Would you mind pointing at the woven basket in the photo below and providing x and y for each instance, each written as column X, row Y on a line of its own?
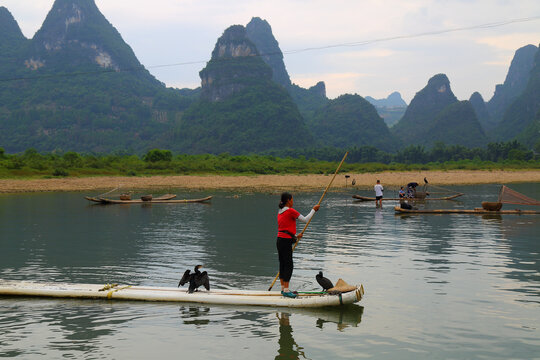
column 146, row 198
column 125, row 197
column 342, row 286
column 491, row 206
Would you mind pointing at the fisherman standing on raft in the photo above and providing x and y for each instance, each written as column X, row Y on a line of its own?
column 378, row 193
column 287, row 237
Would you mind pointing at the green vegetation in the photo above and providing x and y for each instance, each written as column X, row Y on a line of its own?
column 424, row 107
column 350, row 120
column 76, row 85
column 32, row 164
column 67, row 100
column 521, row 118
column 456, row 124
column 256, row 118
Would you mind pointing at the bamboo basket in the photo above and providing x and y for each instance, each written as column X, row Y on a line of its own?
column 491, row 205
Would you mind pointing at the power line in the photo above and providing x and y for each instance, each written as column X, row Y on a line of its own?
column 411, row 36
column 288, row 52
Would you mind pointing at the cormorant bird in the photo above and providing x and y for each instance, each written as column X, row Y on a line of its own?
column 195, row 280
column 425, row 180
column 324, row 282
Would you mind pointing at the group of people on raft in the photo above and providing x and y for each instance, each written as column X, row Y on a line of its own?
column 403, row 194
column 411, row 191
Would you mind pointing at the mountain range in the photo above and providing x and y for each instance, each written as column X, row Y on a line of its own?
column 76, row 85
column 390, row 109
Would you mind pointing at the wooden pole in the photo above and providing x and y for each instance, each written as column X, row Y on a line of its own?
column 319, row 203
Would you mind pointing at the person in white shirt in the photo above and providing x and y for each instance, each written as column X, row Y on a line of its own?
column 378, row 193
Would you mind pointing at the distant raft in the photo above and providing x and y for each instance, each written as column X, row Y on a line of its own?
column 173, row 294
column 506, row 196
column 164, row 199
column 475, row 211
column 368, row 198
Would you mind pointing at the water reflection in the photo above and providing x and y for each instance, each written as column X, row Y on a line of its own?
column 519, row 243
column 195, row 315
column 343, row 317
column 288, row 348
column 433, row 277
column 378, row 217
column 67, row 327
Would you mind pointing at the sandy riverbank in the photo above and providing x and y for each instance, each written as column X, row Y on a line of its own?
column 268, row 182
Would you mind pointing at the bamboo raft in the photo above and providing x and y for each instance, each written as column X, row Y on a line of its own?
column 168, row 198
column 368, row 198
column 173, row 294
column 475, row 211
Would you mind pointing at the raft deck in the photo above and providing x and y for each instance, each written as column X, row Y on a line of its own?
column 367, row 198
column 476, row 211
column 172, row 294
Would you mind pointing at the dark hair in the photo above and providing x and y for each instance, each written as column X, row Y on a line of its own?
column 284, row 198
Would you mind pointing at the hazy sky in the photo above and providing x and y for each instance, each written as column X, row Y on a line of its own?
column 165, row 32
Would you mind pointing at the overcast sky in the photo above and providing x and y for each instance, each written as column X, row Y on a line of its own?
column 165, row 32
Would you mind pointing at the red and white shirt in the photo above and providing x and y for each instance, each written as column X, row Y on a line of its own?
column 287, row 221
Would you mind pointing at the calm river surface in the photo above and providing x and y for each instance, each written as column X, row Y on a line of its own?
column 437, row 286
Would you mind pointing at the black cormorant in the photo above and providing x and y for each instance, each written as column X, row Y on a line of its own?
column 324, row 282
column 195, row 280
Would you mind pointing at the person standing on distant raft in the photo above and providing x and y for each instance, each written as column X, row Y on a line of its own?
column 378, row 193
column 286, row 237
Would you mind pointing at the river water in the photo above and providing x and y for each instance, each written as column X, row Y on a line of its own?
column 436, row 286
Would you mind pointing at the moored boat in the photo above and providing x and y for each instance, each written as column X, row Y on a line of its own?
column 168, row 198
column 173, row 294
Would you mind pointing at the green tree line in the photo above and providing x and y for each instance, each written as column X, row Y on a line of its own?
column 31, row 163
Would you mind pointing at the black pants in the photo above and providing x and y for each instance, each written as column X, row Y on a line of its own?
column 284, row 247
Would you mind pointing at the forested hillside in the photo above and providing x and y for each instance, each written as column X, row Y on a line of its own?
column 350, row 121
column 77, row 86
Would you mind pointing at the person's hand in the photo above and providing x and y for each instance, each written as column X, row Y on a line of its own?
column 316, row 207
column 299, row 236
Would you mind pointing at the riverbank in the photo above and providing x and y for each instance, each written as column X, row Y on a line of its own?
column 267, row 182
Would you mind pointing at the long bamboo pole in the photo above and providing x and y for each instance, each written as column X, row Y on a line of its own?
column 319, row 203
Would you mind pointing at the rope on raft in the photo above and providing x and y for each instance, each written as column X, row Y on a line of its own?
column 108, row 192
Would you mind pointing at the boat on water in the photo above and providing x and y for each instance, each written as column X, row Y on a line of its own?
column 413, row 194
column 167, row 198
column 173, row 294
column 506, row 196
column 419, row 198
column 478, row 211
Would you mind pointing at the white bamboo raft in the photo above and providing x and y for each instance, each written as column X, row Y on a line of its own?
column 172, row 294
